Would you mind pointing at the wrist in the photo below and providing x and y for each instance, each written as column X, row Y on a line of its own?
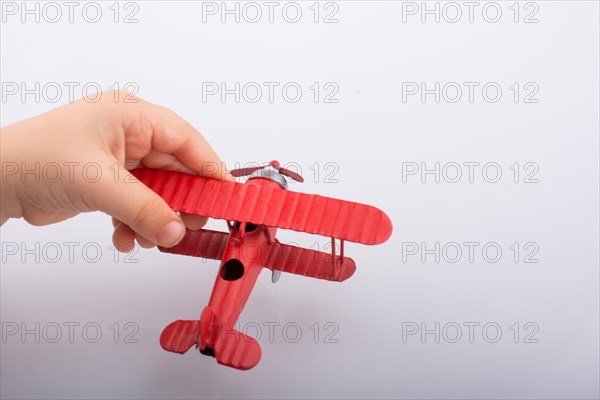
column 10, row 206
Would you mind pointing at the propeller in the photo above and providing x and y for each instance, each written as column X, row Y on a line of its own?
column 275, row 164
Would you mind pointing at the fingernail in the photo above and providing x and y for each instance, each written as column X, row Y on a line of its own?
column 171, row 234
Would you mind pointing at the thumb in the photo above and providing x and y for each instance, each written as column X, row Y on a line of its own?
column 133, row 203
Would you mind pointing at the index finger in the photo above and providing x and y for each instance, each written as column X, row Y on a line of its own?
column 162, row 130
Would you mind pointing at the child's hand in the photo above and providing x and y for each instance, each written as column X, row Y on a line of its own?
column 76, row 159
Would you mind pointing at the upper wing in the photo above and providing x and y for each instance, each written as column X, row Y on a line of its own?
column 262, row 205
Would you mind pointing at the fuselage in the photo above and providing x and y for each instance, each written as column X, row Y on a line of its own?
column 246, row 253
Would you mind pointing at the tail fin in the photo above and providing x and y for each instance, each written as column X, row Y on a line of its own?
column 180, row 336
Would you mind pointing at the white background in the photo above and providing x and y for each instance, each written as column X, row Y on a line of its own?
column 370, row 135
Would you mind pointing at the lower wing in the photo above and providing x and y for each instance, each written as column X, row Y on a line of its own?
column 283, row 257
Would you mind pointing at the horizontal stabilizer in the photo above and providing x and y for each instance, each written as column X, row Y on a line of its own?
column 237, row 350
column 230, row 347
column 180, row 336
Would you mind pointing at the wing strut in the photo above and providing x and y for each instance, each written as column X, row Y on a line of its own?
column 337, row 266
column 333, row 255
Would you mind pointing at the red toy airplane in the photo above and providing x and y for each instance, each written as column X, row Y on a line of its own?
column 253, row 212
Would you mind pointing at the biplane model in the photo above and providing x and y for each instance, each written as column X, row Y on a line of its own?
column 253, row 212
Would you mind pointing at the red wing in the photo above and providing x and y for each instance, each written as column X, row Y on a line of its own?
column 201, row 243
column 263, row 205
column 294, row 260
column 316, row 264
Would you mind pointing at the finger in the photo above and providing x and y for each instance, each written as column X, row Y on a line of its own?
column 193, row 221
column 143, row 242
column 158, row 160
column 123, row 237
column 170, row 134
column 144, row 211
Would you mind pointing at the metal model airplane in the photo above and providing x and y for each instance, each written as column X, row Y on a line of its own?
column 253, row 212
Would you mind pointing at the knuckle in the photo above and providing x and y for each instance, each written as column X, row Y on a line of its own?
column 119, row 97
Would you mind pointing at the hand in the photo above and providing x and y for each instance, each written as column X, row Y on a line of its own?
column 76, row 159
